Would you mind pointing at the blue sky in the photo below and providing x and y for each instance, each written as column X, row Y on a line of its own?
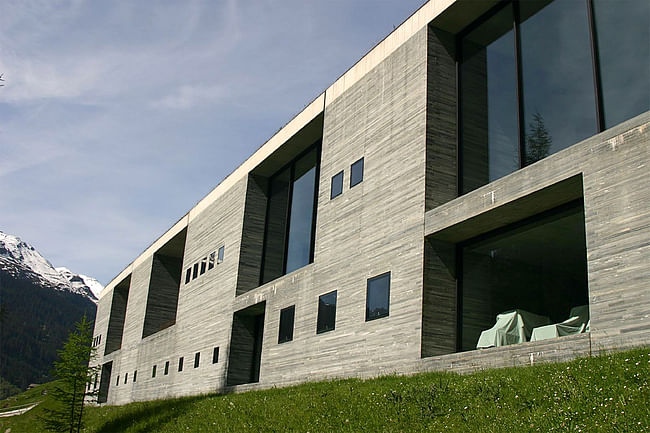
column 117, row 117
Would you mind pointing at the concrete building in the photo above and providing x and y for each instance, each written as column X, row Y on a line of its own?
column 485, row 157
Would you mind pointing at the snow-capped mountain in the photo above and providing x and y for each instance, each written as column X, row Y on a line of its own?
column 81, row 281
column 18, row 258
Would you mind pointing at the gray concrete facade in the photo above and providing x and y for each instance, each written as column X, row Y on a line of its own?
column 397, row 109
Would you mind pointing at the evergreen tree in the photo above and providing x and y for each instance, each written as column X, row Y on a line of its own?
column 75, row 377
column 538, row 140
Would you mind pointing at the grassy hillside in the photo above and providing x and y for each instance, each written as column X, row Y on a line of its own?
column 608, row 393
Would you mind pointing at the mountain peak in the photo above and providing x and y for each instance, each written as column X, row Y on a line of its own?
column 21, row 257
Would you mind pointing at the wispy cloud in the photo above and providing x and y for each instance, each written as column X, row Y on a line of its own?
column 190, row 96
column 117, row 117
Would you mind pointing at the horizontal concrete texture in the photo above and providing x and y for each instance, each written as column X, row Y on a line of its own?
column 396, row 108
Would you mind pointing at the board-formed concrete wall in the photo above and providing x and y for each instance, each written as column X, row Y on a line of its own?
column 396, row 109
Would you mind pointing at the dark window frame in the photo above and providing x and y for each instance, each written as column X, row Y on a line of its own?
column 578, row 203
column 288, row 313
column 353, row 181
column 317, row 146
column 221, row 252
column 322, row 327
column 369, row 281
column 339, row 189
column 516, row 21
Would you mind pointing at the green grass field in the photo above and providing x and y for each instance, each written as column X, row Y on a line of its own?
column 609, row 393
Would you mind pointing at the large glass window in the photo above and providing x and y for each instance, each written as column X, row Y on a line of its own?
column 301, row 216
column 537, row 267
column 290, row 217
column 623, row 36
column 489, row 101
column 538, row 76
column 557, row 76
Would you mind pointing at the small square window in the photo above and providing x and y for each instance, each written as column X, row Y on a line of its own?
column 135, row 375
column 153, row 371
column 377, row 297
column 211, row 260
column 220, row 254
column 166, row 368
column 180, row 364
column 356, row 173
column 126, row 378
column 204, row 264
column 286, row 324
column 326, row 312
column 188, row 275
column 195, row 271
column 197, row 357
column 337, row 185
column 215, row 355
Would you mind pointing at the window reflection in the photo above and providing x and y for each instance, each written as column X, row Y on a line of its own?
column 290, row 217
column 489, row 101
column 557, row 76
column 623, row 35
column 527, row 80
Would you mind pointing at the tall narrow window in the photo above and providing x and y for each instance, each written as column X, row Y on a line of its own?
column 126, row 378
column 220, row 254
column 153, row 371
column 211, row 260
column 356, row 173
column 337, row 185
column 489, row 102
column 188, row 275
column 215, row 355
column 117, row 381
column 378, row 297
column 286, row 324
column 166, row 368
column 301, row 215
column 135, row 375
column 290, row 217
column 195, row 272
column 557, row 76
column 326, row 313
column 204, row 265
column 180, row 363
column 197, row 357
column 623, row 33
